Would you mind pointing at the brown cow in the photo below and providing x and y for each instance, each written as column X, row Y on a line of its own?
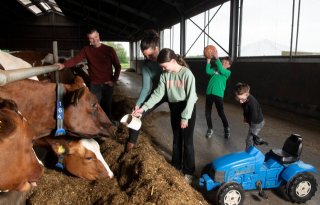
column 80, row 157
column 20, row 168
column 36, row 100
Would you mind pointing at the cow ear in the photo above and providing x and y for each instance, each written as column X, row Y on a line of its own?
column 78, row 83
column 10, row 104
column 7, row 125
column 76, row 95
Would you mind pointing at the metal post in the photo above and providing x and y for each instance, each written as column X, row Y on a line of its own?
column 292, row 26
column 298, row 25
column 55, row 51
column 240, row 28
column 233, row 35
column 182, row 36
column 55, row 58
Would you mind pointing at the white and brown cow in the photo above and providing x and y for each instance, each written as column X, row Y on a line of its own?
column 19, row 166
column 10, row 62
column 80, row 157
column 83, row 116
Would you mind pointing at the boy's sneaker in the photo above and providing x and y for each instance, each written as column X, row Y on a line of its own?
column 226, row 133
column 209, row 133
column 188, row 178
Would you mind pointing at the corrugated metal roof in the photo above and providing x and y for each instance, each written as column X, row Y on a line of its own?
column 121, row 20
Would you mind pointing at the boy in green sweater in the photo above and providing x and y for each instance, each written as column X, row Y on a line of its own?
column 215, row 91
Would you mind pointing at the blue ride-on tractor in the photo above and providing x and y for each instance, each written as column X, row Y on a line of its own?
column 231, row 174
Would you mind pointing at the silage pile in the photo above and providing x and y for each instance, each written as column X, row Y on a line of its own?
column 142, row 176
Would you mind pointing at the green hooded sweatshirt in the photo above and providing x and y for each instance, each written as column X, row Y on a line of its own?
column 219, row 76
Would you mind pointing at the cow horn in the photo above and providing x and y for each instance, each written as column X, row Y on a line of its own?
column 7, row 76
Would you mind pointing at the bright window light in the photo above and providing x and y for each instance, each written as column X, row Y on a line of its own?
column 57, row 9
column 25, row 2
column 35, row 9
column 45, row 6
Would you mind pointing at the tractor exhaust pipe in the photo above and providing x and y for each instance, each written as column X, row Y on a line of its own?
column 7, row 76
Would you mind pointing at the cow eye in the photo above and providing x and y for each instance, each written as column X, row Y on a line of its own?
column 88, row 158
column 94, row 105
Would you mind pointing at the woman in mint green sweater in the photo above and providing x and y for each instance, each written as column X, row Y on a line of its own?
column 215, row 92
column 177, row 83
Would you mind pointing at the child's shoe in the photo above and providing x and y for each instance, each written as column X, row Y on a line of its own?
column 209, row 133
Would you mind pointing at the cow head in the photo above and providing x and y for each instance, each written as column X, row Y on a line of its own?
column 83, row 114
column 81, row 158
column 19, row 167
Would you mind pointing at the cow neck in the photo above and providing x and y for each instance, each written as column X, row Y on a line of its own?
column 60, row 111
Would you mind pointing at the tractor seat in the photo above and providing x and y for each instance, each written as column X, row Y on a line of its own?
column 290, row 151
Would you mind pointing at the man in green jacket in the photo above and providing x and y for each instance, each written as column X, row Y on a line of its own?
column 215, row 91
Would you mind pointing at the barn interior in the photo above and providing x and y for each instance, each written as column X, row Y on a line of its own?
column 285, row 85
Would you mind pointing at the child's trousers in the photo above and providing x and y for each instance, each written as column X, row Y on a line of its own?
column 255, row 129
column 183, row 149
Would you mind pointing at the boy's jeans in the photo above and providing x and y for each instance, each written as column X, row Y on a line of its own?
column 255, row 129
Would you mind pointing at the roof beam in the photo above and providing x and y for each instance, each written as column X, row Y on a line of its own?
column 119, row 20
column 114, row 29
column 131, row 10
column 177, row 5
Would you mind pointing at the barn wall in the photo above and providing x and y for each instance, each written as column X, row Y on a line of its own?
column 290, row 86
column 38, row 33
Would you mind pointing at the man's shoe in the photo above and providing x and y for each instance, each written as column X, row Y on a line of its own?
column 209, row 133
column 226, row 133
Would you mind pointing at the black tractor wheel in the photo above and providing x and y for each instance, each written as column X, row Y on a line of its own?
column 302, row 188
column 230, row 194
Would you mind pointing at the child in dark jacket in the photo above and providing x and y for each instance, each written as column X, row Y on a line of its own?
column 251, row 111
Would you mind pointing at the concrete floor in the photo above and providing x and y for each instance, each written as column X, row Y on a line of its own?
column 279, row 125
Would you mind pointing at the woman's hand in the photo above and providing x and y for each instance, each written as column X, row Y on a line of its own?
column 137, row 112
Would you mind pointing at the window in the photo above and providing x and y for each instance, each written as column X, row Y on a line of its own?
column 175, row 38
column 266, row 27
column 219, row 28
column 195, row 36
column 216, row 23
column 309, row 28
column 139, row 54
column 171, row 38
column 166, row 38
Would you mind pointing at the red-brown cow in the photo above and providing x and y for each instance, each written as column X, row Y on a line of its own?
column 20, row 168
column 36, row 100
column 80, row 157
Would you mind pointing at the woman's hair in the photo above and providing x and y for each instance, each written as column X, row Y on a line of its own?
column 242, row 88
column 151, row 39
column 167, row 55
